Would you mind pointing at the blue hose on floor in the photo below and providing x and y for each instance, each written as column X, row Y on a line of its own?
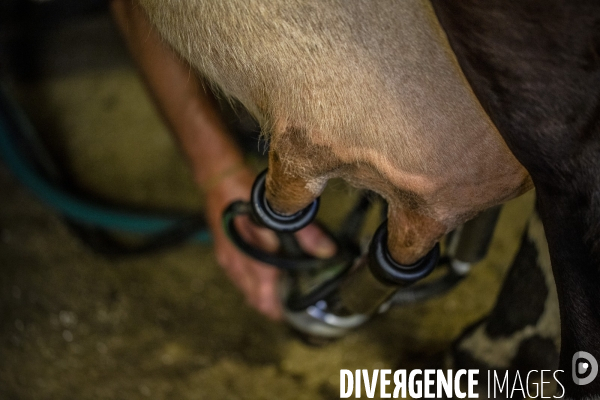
column 71, row 206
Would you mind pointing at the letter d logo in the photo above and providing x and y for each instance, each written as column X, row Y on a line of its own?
column 583, row 364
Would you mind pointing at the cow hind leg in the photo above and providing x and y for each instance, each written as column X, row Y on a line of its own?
column 522, row 332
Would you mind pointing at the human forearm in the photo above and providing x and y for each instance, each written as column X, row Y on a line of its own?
column 187, row 107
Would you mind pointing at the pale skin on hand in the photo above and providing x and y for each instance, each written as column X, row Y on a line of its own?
column 195, row 122
column 256, row 280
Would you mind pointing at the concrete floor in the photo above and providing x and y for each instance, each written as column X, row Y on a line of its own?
column 76, row 325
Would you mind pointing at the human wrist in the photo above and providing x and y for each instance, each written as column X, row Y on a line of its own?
column 215, row 180
column 233, row 184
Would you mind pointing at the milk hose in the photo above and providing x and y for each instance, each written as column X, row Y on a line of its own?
column 26, row 158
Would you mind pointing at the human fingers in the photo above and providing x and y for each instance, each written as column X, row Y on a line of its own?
column 315, row 242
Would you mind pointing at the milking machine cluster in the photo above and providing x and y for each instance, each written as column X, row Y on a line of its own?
column 322, row 297
column 329, row 297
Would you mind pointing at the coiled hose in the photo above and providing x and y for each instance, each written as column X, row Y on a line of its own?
column 93, row 221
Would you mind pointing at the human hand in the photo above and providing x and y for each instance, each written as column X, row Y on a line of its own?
column 256, row 280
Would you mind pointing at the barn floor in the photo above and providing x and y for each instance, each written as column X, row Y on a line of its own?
column 77, row 325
